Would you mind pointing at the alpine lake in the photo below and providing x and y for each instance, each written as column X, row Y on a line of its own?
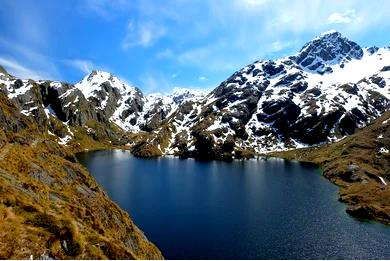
column 248, row 209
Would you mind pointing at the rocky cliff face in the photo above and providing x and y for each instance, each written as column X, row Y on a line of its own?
column 323, row 93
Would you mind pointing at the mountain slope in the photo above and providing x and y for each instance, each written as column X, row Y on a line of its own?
column 51, row 207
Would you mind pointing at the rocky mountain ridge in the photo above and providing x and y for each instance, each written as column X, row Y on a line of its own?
column 330, row 88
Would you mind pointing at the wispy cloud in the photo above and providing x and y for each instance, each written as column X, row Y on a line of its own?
column 342, row 18
column 202, row 78
column 278, row 46
column 84, row 66
column 15, row 68
column 143, row 34
column 87, row 66
column 37, row 65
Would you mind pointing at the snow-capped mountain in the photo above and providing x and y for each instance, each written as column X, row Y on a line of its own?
column 331, row 87
column 99, row 96
column 328, row 89
column 127, row 106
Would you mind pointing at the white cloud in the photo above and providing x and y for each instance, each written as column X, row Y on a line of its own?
column 18, row 70
column 203, row 78
column 173, row 76
column 37, row 63
column 143, row 34
column 342, row 18
column 278, row 46
column 84, row 66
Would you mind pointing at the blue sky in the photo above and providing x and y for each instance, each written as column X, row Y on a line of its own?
column 159, row 45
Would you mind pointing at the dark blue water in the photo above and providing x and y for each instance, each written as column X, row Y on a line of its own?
column 272, row 209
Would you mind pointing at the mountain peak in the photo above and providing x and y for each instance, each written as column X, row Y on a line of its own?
column 330, row 48
column 331, row 37
column 330, row 32
column 102, row 75
column 95, row 81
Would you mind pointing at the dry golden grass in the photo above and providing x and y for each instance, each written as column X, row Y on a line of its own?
column 50, row 206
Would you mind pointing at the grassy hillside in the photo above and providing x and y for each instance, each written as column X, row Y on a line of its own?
column 50, row 206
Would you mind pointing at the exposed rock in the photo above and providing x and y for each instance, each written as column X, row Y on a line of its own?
column 361, row 212
column 145, row 150
column 328, row 49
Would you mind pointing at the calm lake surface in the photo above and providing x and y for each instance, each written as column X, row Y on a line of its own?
column 254, row 209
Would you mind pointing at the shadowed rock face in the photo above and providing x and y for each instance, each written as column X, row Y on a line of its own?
column 328, row 49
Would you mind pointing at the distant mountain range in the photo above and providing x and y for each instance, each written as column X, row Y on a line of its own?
column 331, row 87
